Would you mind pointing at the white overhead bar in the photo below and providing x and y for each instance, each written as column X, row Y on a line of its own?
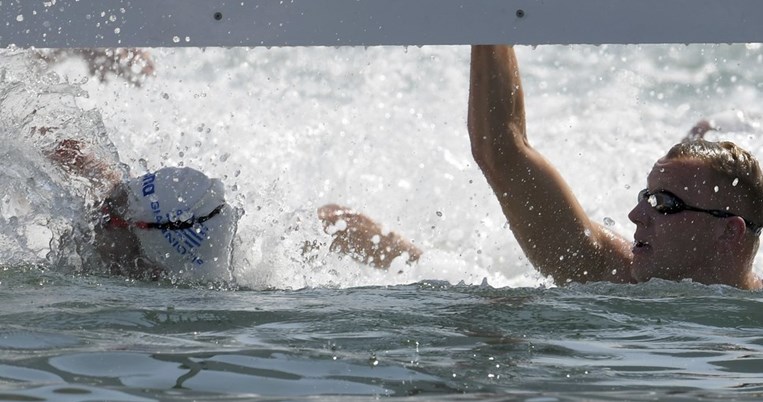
column 170, row 23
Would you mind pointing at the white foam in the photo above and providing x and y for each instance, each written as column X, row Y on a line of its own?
column 383, row 130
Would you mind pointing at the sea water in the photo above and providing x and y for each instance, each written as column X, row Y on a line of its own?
column 381, row 130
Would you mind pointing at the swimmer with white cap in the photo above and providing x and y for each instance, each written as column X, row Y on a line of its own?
column 181, row 222
column 176, row 223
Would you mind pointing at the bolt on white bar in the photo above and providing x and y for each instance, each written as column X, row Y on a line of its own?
column 201, row 23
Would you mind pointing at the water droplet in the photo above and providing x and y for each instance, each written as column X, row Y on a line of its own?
column 176, row 39
column 609, row 221
column 19, row 18
column 735, row 182
column 439, row 213
column 716, row 189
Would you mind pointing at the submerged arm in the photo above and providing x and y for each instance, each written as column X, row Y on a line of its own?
column 547, row 220
column 74, row 156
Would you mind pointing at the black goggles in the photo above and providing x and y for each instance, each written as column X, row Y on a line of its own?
column 668, row 203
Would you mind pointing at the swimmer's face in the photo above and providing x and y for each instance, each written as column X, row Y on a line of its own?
column 121, row 253
column 118, row 246
column 681, row 245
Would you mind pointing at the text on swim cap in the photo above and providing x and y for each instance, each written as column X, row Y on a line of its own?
column 148, row 184
column 183, row 242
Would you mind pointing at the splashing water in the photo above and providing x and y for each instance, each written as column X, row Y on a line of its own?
column 381, row 130
column 44, row 212
column 272, row 171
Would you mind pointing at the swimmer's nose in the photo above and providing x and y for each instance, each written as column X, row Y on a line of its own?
column 638, row 214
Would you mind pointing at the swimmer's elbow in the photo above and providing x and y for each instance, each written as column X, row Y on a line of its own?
column 495, row 153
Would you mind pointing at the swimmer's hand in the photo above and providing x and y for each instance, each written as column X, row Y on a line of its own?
column 725, row 121
column 131, row 65
column 698, row 131
column 359, row 237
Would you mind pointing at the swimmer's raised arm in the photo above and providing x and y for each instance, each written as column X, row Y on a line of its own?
column 547, row 220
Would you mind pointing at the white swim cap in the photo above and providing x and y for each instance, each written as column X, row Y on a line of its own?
column 183, row 223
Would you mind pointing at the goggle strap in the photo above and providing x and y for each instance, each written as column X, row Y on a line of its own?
column 119, row 222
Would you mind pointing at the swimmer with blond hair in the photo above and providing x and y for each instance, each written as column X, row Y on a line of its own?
column 698, row 218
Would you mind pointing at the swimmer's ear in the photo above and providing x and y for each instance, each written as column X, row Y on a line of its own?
column 734, row 230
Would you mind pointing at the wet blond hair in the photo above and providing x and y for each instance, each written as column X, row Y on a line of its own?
column 730, row 161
